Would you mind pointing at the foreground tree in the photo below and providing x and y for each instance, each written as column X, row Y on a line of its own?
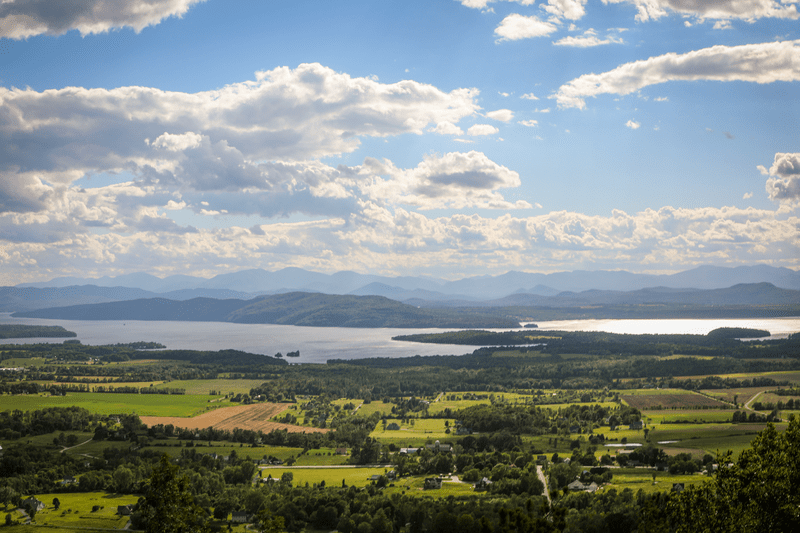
column 759, row 492
column 169, row 506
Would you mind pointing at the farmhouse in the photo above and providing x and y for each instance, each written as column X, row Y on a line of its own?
column 32, row 502
column 483, row 485
column 636, row 425
column 432, row 483
column 124, row 510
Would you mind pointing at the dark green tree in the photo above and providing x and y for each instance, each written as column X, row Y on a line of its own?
column 759, row 492
column 168, row 505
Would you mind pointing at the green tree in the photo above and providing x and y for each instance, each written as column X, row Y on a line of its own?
column 168, row 505
column 759, row 492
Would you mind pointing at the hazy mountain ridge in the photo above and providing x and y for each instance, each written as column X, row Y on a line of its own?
column 258, row 281
column 297, row 308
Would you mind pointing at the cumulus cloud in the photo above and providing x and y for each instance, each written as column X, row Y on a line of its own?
column 20, row 19
column 568, row 9
column 529, row 123
column 587, row 40
column 482, row 129
column 759, row 63
column 503, row 115
column 783, row 184
column 389, row 240
column 632, row 124
column 207, row 140
column 747, row 196
column 529, row 96
column 447, row 128
column 515, row 27
column 748, row 10
column 453, row 180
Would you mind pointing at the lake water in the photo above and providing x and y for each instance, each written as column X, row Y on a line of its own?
column 317, row 345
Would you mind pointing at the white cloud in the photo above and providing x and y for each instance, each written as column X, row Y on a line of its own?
column 529, row 96
column 482, row 129
column 209, row 140
column 483, row 4
column 544, row 110
column 515, row 27
column 759, row 63
column 588, row 40
column 177, row 142
column 748, row 10
column 447, row 128
column 632, row 125
column 568, row 9
column 396, row 241
column 747, row 196
column 723, row 25
column 20, row 19
column 453, row 180
column 503, row 115
column 784, row 182
column 530, row 123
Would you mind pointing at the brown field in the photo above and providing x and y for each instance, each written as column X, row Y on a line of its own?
column 744, row 394
column 255, row 417
column 673, row 401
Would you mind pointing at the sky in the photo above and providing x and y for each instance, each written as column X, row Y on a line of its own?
column 444, row 138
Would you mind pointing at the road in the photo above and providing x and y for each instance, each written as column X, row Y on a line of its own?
column 543, row 479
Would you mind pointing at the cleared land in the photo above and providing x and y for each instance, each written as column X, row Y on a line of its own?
column 690, row 400
column 255, row 417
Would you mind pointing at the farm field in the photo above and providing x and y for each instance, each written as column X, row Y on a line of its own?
column 175, row 405
column 331, row 475
column 742, row 395
column 225, row 449
column 646, row 402
column 792, row 376
column 422, row 431
column 642, row 478
column 220, row 386
column 688, row 416
column 255, row 417
column 75, row 511
column 321, row 457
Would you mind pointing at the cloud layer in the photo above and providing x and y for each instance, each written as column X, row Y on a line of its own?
column 758, row 63
column 20, row 19
column 718, row 9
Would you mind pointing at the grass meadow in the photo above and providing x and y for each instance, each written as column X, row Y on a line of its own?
column 75, row 511
column 184, row 405
column 333, row 476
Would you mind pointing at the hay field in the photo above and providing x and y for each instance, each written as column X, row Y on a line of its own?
column 254, row 417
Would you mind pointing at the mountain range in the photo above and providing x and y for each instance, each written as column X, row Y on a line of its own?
column 703, row 286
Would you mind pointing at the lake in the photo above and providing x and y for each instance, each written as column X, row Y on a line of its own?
column 317, row 345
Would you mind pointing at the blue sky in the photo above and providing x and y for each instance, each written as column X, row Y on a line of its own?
column 446, row 138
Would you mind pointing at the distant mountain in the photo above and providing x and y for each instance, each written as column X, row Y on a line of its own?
column 745, row 294
column 30, row 298
column 297, row 308
column 258, row 281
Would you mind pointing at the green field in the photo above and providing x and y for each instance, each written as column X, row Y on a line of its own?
column 321, row 457
column 224, row 449
column 333, row 476
column 422, row 431
column 108, row 404
column 221, row 386
column 641, row 478
column 76, row 512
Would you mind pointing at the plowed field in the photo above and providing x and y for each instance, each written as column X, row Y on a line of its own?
column 255, row 417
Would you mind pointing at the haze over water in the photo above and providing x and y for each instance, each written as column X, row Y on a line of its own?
column 317, row 345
